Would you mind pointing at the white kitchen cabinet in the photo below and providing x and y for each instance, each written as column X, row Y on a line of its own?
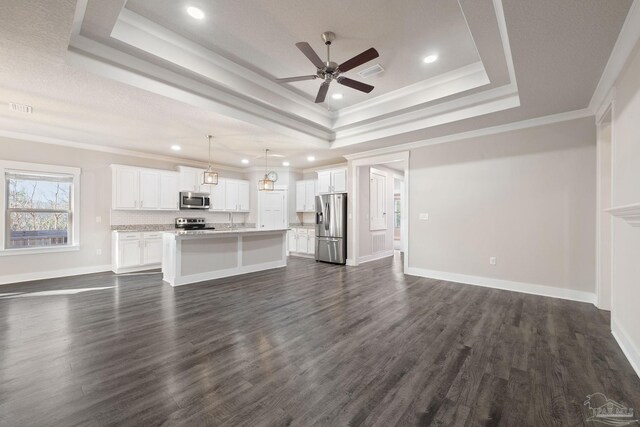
column 305, row 196
column 301, row 196
column 302, row 241
column 243, row 196
column 324, row 182
column 188, row 179
column 149, row 189
column 310, row 195
column 152, row 249
column 230, row 195
column 126, row 190
column 143, row 189
column 169, row 184
column 332, row 181
column 218, row 195
column 135, row 251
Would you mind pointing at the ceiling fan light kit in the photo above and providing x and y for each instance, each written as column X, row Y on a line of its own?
column 329, row 70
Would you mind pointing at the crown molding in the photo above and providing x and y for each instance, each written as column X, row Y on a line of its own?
column 122, row 67
column 139, row 32
column 486, row 102
column 626, row 42
column 113, row 150
column 493, row 130
column 413, row 96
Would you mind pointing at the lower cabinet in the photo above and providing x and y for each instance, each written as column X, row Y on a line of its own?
column 135, row 251
column 302, row 241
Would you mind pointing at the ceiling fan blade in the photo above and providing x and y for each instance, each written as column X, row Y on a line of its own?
column 297, row 79
column 354, row 84
column 310, row 54
column 357, row 60
column 322, row 92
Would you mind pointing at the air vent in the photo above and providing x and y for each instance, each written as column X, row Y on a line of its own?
column 371, row 71
column 20, row 108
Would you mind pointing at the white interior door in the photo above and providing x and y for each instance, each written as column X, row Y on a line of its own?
column 377, row 200
column 272, row 213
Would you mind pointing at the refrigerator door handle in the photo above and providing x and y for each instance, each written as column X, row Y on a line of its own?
column 326, row 225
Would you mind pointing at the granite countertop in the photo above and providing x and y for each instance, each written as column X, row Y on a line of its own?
column 303, row 226
column 172, row 227
column 239, row 230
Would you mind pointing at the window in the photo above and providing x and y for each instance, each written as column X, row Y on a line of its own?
column 40, row 207
column 396, row 211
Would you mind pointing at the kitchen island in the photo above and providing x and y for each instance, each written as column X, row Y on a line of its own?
column 198, row 255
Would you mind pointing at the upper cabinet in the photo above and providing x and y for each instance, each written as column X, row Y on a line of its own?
column 143, row 189
column 332, row 181
column 230, row 195
column 191, row 180
column 305, row 195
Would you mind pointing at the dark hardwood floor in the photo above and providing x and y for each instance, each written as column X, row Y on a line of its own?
column 310, row 344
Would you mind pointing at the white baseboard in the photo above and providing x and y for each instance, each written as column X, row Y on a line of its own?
column 628, row 347
column 507, row 285
column 373, row 257
column 52, row 274
column 351, row 262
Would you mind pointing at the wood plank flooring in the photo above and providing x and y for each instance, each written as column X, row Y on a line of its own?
column 309, row 344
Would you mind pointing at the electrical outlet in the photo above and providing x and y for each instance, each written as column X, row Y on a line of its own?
column 492, row 260
column 98, row 219
column 98, row 252
column 424, row 216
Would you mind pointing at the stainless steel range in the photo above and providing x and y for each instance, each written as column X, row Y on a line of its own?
column 193, row 224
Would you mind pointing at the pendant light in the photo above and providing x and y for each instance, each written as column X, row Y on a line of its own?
column 266, row 184
column 209, row 177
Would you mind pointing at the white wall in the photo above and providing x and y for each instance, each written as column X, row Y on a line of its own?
column 95, row 201
column 625, row 315
column 526, row 197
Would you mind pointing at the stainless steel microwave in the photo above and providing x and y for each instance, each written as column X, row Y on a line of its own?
column 191, row 200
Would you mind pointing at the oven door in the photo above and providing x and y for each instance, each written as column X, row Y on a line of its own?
column 189, row 200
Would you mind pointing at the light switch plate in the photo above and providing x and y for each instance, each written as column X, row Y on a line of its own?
column 493, row 260
column 424, row 216
column 98, row 219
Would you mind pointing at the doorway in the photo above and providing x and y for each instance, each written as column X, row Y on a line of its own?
column 378, row 204
column 604, row 221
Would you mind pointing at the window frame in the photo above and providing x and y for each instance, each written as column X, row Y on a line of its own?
column 74, row 204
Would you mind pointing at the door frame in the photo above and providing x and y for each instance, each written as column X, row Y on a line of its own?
column 278, row 188
column 353, row 184
column 605, row 116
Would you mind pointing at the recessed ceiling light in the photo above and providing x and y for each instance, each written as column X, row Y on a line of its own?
column 285, row 163
column 195, row 13
column 431, row 58
column 311, row 158
column 337, row 96
column 245, row 161
column 176, row 148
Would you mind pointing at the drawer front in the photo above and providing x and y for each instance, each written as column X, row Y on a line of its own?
column 152, row 235
column 128, row 236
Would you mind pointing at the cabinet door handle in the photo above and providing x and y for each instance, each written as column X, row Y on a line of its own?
column 135, row 203
column 141, row 203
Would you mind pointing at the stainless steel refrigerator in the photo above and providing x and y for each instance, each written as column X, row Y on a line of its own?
column 331, row 228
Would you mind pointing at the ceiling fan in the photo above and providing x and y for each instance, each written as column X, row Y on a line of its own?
column 329, row 71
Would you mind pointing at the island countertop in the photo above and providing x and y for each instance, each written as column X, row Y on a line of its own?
column 205, row 233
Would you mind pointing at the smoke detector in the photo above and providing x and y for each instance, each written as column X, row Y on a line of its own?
column 21, row 108
column 371, row 71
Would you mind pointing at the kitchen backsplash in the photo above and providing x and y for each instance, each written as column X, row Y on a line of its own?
column 119, row 217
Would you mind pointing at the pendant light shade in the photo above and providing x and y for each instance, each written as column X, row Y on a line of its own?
column 266, row 184
column 209, row 177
